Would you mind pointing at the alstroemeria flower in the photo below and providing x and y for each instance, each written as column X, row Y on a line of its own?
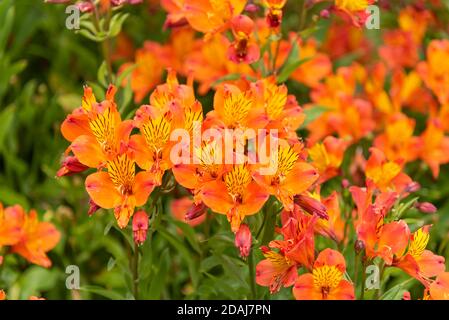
column 120, row 188
column 334, row 226
column 435, row 146
column 244, row 49
column 296, row 249
column 397, row 141
column 417, row 261
column 37, row 239
column 274, row 12
column 328, row 156
column 353, row 10
column 96, row 130
column 439, row 288
column 291, row 175
column 237, row 195
column 386, row 175
column 281, row 110
column 185, row 210
column 11, row 221
column 326, row 282
column 209, row 16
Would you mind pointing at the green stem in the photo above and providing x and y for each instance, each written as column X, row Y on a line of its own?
column 302, row 14
column 362, row 293
column 252, row 275
column 135, row 271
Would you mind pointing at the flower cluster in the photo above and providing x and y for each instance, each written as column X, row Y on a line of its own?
column 257, row 151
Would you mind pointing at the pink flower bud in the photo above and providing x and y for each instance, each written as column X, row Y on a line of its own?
column 251, row 8
column 345, row 183
column 70, row 165
column 85, row 6
column 243, row 240
column 140, row 227
column 57, row 1
column 412, row 187
column 425, row 207
column 311, row 206
column 325, row 14
column 93, row 207
column 406, row 296
column 195, row 211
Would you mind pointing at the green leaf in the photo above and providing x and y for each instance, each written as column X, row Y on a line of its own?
column 7, row 13
column 157, row 285
column 110, row 294
column 184, row 252
column 288, row 69
column 117, row 23
column 228, row 77
column 313, row 113
column 190, row 234
column 37, row 279
column 101, row 74
column 111, row 264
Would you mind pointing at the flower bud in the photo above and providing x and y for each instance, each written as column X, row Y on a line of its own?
column 412, row 187
column 251, row 8
column 311, row 206
column 93, row 207
column 85, row 6
column 425, row 207
column 195, row 211
column 359, row 246
column 406, row 296
column 140, row 227
column 70, row 165
column 2, row 295
column 325, row 14
column 243, row 240
column 345, row 183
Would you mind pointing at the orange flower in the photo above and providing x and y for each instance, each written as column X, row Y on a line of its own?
column 209, row 16
column 291, row 175
column 350, row 117
column 235, row 109
column 244, row 49
column 316, row 65
column 435, row 146
column 386, row 175
column 415, row 21
column 333, row 227
column 11, row 222
column 417, row 261
column 397, row 141
column 280, row 110
column 96, row 130
column 236, row 195
column 380, row 239
column 2, row 295
column 399, row 49
column 295, row 250
column 326, row 282
column 176, row 15
column 353, row 10
column 328, row 156
column 435, row 71
column 151, row 61
column 120, row 188
column 439, row 288
column 274, row 12
column 37, row 239
column 209, row 62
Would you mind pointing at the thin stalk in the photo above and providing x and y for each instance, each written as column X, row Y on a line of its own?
column 252, row 275
column 135, row 271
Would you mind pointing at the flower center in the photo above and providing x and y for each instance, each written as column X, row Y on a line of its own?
column 156, row 132
column 326, row 278
column 122, row 171
column 236, row 182
column 236, row 109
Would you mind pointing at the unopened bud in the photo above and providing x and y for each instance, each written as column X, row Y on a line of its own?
column 412, row 187
column 195, row 211
column 93, row 207
column 406, row 296
column 359, row 246
column 252, row 8
column 311, row 206
column 70, row 165
column 325, row 14
column 425, row 207
column 243, row 240
column 140, row 227
column 345, row 183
